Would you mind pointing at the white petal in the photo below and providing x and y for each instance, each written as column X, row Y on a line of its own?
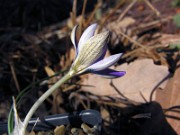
column 19, row 126
column 88, row 33
column 73, row 38
column 92, row 51
column 105, row 63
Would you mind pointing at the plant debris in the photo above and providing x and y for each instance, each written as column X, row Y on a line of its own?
column 35, row 51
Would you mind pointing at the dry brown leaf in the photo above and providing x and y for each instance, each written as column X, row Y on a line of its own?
column 122, row 24
column 169, row 97
column 141, row 76
column 32, row 133
column 50, row 72
column 105, row 114
column 41, row 133
column 33, row 39
column 72, row 54
column 59, row 130
column 167, row 39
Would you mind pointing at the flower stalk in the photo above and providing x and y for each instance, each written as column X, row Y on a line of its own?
column 42, row 98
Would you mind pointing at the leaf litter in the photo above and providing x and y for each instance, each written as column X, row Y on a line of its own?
column 143, row 31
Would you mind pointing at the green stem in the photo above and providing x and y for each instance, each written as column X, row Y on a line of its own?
column 21, row 95
column 42, row 98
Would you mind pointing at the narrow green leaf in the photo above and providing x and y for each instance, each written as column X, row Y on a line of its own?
column 19, row 98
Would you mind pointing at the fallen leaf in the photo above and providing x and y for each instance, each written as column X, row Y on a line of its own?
column 59, row 130
column 123, row 23
column 170, row 96
column 142, row 76
column 50, row 73
column 167, row 39
column 32, row 133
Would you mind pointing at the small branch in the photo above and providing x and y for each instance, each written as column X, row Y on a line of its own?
column 14, row 77
column 110, row 14
column 130, row 39
column 126, row 10
column 74, row 12
column 156, row 22
column 90, row 19
column 152, row 7
column 82, row 16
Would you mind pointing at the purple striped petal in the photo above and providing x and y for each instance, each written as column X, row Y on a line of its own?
column 88, row 33
column 105, row 63
column 73, row 38
column 110, row 73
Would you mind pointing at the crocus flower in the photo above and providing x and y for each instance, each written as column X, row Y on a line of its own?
column 90, row 51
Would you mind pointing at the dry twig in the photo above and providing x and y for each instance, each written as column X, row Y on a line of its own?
column 14, row 76
column 152, row 7
column 126, row 10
